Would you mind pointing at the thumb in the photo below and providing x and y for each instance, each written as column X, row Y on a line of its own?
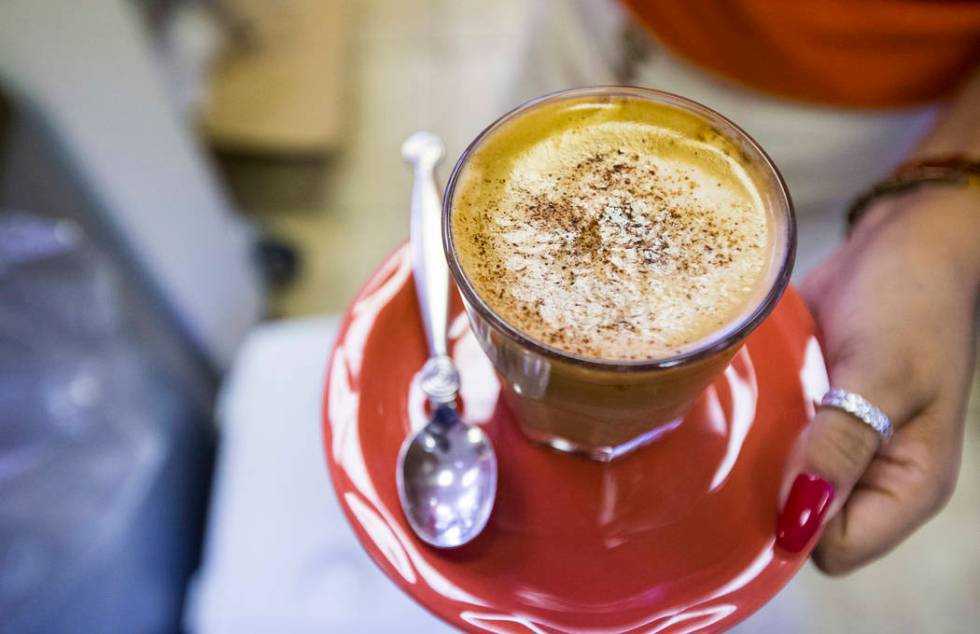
column 827, row 461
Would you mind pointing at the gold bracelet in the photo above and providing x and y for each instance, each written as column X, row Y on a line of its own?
column 953, row 169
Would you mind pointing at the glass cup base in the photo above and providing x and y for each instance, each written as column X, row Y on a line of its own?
column 601, row 454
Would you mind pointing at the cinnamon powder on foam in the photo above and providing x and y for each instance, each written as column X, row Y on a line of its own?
column 611, row 239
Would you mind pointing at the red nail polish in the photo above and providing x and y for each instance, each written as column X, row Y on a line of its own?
column 800, row 519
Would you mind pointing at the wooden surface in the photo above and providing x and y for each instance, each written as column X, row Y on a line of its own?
column 279, row 88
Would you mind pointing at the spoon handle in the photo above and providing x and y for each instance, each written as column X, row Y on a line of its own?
column 439, row 379
column 428, row 260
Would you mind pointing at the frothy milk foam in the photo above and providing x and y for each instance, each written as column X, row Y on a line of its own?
column 616, row 229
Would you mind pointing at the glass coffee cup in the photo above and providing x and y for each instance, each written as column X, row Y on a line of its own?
column 605, row 407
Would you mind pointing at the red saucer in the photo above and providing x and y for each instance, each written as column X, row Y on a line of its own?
column 676, row 537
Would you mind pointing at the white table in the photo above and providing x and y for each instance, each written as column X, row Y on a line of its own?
column 279, row 555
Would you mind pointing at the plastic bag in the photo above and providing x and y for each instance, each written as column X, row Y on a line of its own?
column 80, row 436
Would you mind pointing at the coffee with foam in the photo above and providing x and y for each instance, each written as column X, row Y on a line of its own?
column 612, row 228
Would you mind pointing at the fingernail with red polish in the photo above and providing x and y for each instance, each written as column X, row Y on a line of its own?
column 800, row 520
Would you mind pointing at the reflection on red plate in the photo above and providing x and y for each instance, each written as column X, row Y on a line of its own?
column 676, row 537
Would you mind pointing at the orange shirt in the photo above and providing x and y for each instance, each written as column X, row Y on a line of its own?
column 844, row 52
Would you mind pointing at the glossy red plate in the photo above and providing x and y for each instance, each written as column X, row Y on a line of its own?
column 676, row 537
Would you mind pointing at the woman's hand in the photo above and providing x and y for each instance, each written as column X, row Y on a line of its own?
column 896, row 307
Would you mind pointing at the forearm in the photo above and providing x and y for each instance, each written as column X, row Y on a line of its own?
column 944, row 219
column 958, row 132
column 958, row 129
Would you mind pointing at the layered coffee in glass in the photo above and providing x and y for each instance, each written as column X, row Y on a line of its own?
column 614, row 247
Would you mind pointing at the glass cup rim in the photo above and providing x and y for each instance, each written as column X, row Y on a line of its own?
column 710, row 347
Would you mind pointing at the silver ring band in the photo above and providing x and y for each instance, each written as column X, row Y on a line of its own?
column 859, row 407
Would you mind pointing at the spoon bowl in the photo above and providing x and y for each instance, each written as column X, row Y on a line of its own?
column 448, row 474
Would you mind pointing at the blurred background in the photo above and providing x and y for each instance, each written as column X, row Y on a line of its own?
column 190, row 192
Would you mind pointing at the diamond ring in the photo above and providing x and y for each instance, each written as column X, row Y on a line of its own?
column 859, row 407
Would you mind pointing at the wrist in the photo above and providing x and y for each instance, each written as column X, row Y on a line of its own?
column 912, row 175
